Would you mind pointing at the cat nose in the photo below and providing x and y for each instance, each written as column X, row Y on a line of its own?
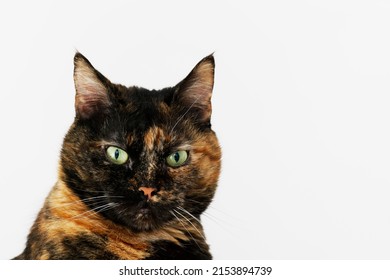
column 148, row 191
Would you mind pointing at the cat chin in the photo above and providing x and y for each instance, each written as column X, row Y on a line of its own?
column 144, row 220
column 144, row 223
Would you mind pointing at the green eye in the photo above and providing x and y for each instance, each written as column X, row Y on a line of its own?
column 177, row 159
column 116, row 155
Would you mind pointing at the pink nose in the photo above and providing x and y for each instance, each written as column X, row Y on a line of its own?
column 148, row 192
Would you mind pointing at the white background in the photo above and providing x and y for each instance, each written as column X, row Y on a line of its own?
column 301, row 106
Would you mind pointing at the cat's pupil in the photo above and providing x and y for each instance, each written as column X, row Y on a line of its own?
column 116, row 154
column 176, row 156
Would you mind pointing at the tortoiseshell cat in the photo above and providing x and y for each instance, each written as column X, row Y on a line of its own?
column 137, row 169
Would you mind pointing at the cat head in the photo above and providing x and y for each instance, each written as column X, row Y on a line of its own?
column 142, row 158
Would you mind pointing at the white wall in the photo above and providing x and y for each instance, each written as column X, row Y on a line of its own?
column 301, row 107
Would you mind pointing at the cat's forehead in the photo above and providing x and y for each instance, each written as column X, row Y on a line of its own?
column 155, row 137
column 144, row 116
column 149, row 119
column 142, row 96
column 141, row 108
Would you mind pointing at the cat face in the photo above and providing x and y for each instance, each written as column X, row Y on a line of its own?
column 142, row 158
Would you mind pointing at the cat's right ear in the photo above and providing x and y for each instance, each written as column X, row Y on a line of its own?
column 91, row 92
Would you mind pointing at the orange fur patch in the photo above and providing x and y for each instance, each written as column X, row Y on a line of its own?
column 155, row 137
column 69, row 217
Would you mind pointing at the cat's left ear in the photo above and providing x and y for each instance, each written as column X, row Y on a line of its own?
column 196, row 89
column 91, row 89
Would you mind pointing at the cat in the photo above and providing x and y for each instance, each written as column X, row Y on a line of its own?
column 137, row 169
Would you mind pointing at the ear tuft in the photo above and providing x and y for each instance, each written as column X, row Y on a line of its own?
column 196, row 89
column 91, row 92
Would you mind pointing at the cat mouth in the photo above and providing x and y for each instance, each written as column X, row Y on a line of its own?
column 144, row 211
column 144, row 208
column 139, row 214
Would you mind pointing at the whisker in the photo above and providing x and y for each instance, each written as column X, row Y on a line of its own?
column 215, row 220
column 85, row 200
column 225, row 225
column 185, row 228
column 190, row 223
column 94, row 212
column 224, row 221
column 84, row 190
column 181, row 208
column 216, row 209
column 91, row 212
column 122, row 211
column 74, row 202
column 106, row 197
column 110, row 205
